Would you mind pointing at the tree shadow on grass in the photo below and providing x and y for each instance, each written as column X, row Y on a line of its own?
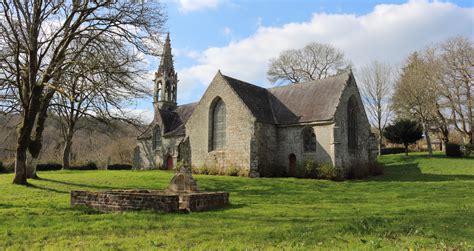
column 47, row 189
column 226, row 207
column 412, row 172
column 79, row 185
column 6, row 206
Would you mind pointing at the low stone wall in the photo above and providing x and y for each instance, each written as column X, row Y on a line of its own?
column 135, row 200
column 203, row 201
column 126, row 200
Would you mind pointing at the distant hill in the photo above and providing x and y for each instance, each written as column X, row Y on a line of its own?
column 95, row 142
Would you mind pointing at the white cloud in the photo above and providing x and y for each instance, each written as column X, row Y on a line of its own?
column 193, row 5
column 388, row 33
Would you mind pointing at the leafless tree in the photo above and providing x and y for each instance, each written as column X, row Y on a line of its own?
column 377, row 85
column 457, row 84
column 314, row 61
column 416, row 95
column 97, row 86
column 36, row 38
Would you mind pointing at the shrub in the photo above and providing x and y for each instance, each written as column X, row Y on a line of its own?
column 180, row 164
column 311, row 169
column 49, row 167
column 214, row 170
column 243, row 172
column 453, row 150
column 204, row 170
column 467, row 149
column 7, row 168
column 89, row 166
column 326, row 171
column 119, row 167
column 201, row 170
column 392, row 150
column 232, row 171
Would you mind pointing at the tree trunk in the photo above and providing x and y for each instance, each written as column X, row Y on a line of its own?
column 31, row 168
column 23, row 141
column 406, row 149
column 36, row 145
column 445, row 141
column 67, row 151
column 380, row 144
column 428, row 140
column 20, row 167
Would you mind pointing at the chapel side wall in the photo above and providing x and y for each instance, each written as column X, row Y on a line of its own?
column 364, row 137
column 150, row 158
column 146, row 155
column 239, row 131
column 266, row 150
column 290, row 141
column 169, row 147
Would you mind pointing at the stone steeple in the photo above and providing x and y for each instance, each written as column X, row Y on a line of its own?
column 166, row 80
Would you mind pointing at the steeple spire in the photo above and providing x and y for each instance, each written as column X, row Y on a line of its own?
column 166, row 80
column 166, row 64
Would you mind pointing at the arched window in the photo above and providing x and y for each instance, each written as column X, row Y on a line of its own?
column 352, row 124
column 156, row 136
column 309, row 140
column 217, row 139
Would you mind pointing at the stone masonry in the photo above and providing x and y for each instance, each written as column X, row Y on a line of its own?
column 263, row 127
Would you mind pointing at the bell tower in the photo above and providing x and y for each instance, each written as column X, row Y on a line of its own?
column 166, row 80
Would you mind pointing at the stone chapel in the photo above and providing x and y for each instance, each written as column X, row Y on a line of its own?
column 261, row 131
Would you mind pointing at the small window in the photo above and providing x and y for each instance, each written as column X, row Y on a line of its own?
column 309, row 140
column 156, row 137
column 217, row 125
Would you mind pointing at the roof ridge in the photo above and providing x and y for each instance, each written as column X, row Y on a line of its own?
column 244, row 82
column 311, row 81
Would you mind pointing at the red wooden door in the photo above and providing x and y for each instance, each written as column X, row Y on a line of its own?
column 292, row 160
column 169, row 163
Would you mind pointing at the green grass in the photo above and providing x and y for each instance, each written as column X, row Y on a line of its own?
column 419, row 203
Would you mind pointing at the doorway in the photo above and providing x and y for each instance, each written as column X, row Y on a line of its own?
column 292, row 165
column 169, row 162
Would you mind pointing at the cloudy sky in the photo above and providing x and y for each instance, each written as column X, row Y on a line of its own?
column 239, row 37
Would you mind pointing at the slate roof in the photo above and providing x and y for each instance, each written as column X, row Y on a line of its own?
column 294, row 103
column 173, row 121
column 255, row 98
column 179, row 117
column 307, row 102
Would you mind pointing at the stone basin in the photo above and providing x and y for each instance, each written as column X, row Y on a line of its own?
column 182, row 194
column 157, row 200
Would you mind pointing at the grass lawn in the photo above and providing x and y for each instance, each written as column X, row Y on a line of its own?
column 419, row 202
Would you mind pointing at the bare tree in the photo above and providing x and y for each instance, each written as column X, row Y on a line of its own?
column 416, row 95
column 314, row 61
column 97, row 86
column 377, row 83
column 35, row 40
column 457, row 84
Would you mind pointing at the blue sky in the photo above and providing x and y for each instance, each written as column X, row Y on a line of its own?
column 239, row 37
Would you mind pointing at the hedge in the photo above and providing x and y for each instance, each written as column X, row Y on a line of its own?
column 119, row 167
column 88, row 166
column 392, row 150
column 49, row 167
column 7, row 168
column 453, row 150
